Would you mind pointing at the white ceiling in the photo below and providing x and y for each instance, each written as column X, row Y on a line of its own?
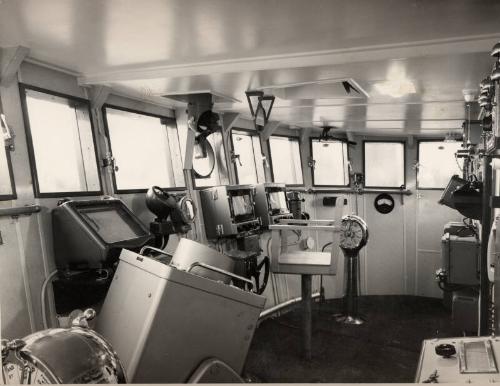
column 157, row 47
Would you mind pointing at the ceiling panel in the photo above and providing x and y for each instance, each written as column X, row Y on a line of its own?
column 435, row 49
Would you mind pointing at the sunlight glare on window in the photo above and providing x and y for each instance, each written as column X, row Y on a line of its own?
column 63, row 146
column 286, row 163
column 437, row 163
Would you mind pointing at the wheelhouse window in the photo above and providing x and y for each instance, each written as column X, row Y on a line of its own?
column 146, row 150
column 210, row 164
column 61, row 144
column 437, row 163
column 285, row 160
column 331, row 164
column 384, row 164
column 249, row 160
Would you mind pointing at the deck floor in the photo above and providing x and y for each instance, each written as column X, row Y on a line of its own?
column 385, row 349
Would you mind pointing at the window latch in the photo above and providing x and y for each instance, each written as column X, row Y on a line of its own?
column 7, row 135
column 265, row 161
column 311, row 163
column 235, row 157
column 109, row 162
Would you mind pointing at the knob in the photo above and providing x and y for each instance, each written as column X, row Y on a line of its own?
column 445, row 350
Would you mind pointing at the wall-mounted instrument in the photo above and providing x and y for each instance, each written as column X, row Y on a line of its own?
column 271, row 203
column 229, row 210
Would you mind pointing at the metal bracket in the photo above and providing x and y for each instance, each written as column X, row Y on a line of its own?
column 109, row 162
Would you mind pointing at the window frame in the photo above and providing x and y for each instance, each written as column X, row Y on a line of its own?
column 311, row 139
column 13, row 195
column 271, row 159
column 108, row 139
column 31, row 152
column 418, row 162
column 404, row 164
column 250, row 133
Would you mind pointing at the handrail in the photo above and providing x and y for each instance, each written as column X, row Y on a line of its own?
column 221, row 271
column 20, row 210
column 405, row 192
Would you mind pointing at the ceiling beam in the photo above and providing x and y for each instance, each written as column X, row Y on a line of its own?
column 11, row 59
column 449, row 46
column 228, row 120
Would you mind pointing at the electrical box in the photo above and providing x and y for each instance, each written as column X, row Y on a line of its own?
column 460, row 259
column 271, row 203
column 229, row 211
column 164, row 322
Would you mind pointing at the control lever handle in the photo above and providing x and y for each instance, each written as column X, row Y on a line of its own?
column 221, row 271
column 148, row 247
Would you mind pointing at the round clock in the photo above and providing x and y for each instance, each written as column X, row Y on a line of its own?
column 353, row 234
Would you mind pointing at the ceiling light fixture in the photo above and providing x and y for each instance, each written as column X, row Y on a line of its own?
column 396, row 88
column 469, row 95
column 397, row 83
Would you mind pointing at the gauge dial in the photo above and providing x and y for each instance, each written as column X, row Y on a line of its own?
column 353, row 234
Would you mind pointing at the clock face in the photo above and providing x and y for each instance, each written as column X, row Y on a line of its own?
column 353, row 234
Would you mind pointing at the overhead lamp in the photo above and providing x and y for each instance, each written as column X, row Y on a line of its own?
column 469, row 95
column 260, row 106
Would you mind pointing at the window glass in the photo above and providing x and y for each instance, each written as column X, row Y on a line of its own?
column 249, row 166
column 146, row 151
column 384, row 164
column 285, row 157
column 62, row 143
column 5, row 177
column 219, row 174
column 437, row 163
column 330, row 163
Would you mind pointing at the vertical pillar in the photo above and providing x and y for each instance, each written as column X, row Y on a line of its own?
column 484, row 298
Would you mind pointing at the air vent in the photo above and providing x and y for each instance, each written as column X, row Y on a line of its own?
column 346, row 88
column 187, row 95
